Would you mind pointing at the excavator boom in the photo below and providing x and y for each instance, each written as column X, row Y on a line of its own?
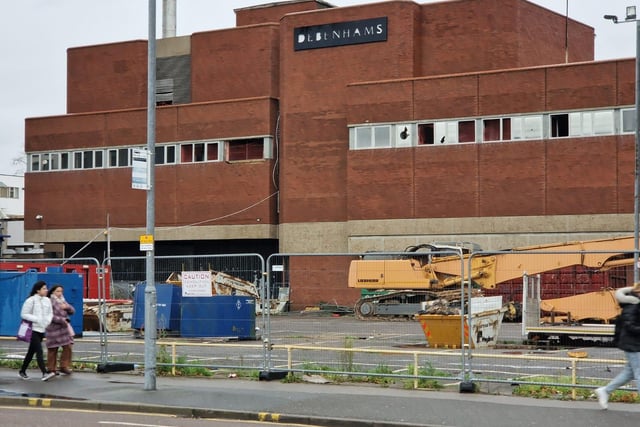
column 399, row 285
column 490, row 269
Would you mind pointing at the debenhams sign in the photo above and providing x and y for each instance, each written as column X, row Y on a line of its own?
column 340, row 34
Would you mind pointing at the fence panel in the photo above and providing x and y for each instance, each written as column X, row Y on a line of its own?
column 566, row 347
column 341, row 332
column 225, row 327
column 129, row 271
column 565, row 300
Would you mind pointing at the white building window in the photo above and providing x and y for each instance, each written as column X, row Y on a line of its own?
column 582, row 123
column 526, row 127
column 77, row 160
column 9, row 192
column 447, row 132
column 628, row 120
column 165, row 154
column 118, row 157
column 54, row 161
column 372, row 137
column 404, row 135
column 34, row 164
column 44, row 162
column 237, row 150
column 496, row 129
column 194, row 152
column 65, row 161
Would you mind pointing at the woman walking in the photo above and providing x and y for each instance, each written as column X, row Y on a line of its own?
column 59, row 332
column 628, row 341
column 37, row 310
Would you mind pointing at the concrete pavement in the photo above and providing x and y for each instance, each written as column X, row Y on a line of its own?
column 304, row 403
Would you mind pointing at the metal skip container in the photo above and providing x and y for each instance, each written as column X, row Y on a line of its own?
column 446, row 330
column 223, row 316
column 168, row 299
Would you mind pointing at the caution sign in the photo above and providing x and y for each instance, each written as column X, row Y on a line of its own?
column 146, row 242
column 196, row 284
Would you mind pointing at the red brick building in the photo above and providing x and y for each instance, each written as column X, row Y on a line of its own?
column 313, row 128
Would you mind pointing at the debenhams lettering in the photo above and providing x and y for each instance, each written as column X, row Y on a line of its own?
column 340, row 34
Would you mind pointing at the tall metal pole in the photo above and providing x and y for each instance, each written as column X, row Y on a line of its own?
column 150, row 297
column 632, row 17
column 636, row 194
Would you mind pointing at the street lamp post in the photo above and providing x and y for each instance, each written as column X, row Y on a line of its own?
column 631, row 17
column 150, row 292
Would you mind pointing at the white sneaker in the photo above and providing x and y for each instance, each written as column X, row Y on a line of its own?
column 48, row 376
column 603, row 397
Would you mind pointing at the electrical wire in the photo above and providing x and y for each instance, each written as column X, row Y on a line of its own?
column 207, row 220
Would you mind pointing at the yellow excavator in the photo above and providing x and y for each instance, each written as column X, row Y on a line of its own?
column 399, row 285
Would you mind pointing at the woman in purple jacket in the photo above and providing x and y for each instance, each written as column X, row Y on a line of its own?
column 59, row 332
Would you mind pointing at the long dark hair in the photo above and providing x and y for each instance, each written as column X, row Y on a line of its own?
column 52, row 289
column 37, row 286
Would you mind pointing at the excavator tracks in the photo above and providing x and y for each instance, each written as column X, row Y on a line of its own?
column 401, row 304
column 396, row 305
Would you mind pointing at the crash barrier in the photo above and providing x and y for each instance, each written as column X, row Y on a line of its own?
column 368, row 339
column 423, row 365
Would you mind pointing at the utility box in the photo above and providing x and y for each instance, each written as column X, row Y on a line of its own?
column 224, row 316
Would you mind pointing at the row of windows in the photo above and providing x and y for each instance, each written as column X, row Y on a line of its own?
column 165, row 154
column 493, row 129
column 9, row 192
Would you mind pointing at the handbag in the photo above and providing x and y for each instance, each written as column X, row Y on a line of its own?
column 24, row 331
column 71, row 331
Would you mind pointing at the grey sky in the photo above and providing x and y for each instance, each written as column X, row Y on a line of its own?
column 37, row 33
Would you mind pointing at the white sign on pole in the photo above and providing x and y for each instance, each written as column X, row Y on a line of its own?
column 146, row 242
column 140, row 169
column 196, row 284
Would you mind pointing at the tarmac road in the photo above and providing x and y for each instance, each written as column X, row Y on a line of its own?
column 32, row 416
column 303, row 403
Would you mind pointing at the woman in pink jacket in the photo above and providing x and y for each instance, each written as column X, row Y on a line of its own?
column 59, row 332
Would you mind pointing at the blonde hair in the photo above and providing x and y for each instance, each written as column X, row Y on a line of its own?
column 636, row 287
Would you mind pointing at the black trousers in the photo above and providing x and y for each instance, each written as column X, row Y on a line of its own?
column 35, row 347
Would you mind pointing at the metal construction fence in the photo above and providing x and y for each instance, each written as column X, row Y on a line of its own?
column 127, row 272
column 567, row 344
column 304, row 318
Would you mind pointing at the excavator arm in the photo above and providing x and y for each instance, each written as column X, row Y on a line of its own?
column 487, row 270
